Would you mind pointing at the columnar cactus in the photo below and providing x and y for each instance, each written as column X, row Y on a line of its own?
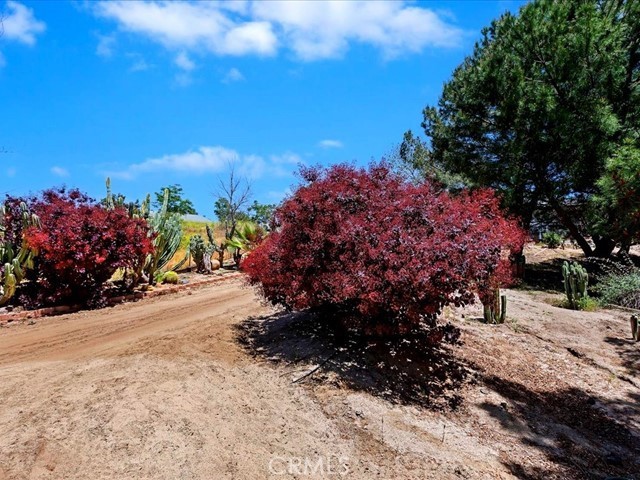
column 201, row 253
column 576, row 280
column 635, row 330
column 135, row 209
column 496, row 311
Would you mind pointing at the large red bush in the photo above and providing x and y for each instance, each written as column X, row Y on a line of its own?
column 80, row 245
column 368, row 242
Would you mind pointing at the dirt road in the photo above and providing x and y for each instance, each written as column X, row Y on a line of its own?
column 164, row 389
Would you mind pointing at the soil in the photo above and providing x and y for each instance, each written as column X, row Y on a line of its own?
column 212, row 384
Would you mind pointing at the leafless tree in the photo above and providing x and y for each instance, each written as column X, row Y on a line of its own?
column 234, row 194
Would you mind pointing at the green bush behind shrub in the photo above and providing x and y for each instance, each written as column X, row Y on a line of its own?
column 552, row 239
column 620, row 289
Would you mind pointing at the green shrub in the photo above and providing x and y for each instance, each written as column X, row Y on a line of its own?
column 620, row 289
column 170, row 277
column 552, row 239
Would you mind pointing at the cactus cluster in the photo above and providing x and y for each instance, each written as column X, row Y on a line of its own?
column 165, row 228
column 199, row 251
column 135, row 209
column 170, row 277
column 14, row 259
column 202, row 251
column 496, row 310
column 576, row 280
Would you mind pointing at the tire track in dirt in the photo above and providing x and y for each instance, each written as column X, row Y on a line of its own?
column 106, row 331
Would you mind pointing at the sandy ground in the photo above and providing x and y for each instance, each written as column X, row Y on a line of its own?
column 208, row 385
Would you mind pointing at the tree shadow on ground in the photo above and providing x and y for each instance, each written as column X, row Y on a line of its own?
column 581, row 435
column 545, row 275
column 629, row 352
column 404, row 370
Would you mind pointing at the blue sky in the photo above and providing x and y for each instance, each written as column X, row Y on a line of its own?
column 156, row 93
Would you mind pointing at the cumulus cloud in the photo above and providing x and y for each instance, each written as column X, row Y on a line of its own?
column 233, row 75
column 20, row 24
column 190, row 25
column 59, row 171
column 330, row 144
column 211, row 159
column 317, row 30
column 203, row 160
column 311, row 30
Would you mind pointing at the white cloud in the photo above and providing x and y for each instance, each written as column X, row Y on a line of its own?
column 311, row 30
column 191, row 25
column 330, row 144
column 215, row 159
column 233, row 75
column 183, row 62
column 59, row 171
column 317, row 30
column 20, row 24
column 105, row 46
column 203, row 160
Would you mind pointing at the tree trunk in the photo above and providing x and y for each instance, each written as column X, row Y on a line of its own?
column 625, row 246
column 604, row 246
column 571, row 226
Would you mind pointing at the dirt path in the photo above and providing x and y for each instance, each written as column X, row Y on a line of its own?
column 164, row 389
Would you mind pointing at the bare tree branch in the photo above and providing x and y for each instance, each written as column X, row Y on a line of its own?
column 237, row 192
column 233, row 196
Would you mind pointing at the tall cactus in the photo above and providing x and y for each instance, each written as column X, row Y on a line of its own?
column 134, row 209
column 13, row 263
column 495, row 311
column 200, row 252
column 575, row 281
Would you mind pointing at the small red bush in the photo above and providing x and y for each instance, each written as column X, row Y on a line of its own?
column 80, row 245
column 368, row 242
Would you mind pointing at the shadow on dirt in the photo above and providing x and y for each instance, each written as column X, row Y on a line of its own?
column 629, row 352
column 544, row 276
column 403, row 370
column 576, row 431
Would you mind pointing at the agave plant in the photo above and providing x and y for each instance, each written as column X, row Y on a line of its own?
column 166, row 228
column 247, row 237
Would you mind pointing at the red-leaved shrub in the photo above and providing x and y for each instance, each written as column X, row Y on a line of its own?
column 80, row 245
column 394, row 253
